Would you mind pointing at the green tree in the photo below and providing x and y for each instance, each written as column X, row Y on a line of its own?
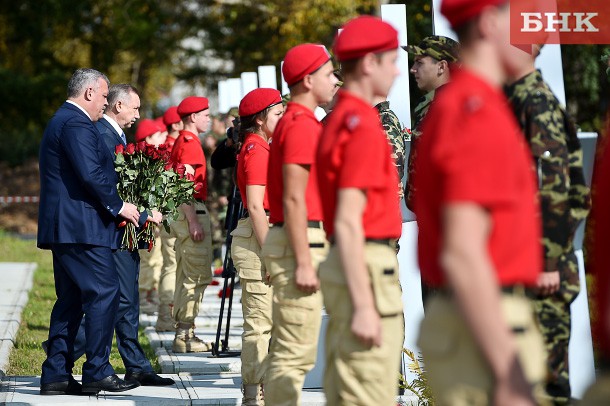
column 43, row 42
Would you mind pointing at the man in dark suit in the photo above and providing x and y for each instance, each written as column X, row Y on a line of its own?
column 122, row 112
column 79, row 204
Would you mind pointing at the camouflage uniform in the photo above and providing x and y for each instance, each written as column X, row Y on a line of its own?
column 442, row 49
column 420, row 112
column 396, row 137
column 565, row 201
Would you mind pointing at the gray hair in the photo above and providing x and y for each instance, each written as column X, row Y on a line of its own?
column 82, row 79
column 120, row 92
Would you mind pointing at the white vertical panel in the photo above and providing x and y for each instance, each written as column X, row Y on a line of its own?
column 549, row 62
column 285, row 89
column 267, row 76
column 233, row 92
column 223, row 97
column 396, row 14
column 441, row 25
column 249, row 82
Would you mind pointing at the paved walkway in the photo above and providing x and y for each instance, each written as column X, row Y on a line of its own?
column 201, row 379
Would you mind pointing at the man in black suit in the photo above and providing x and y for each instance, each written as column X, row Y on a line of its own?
column 79, row 205
column 122, row 112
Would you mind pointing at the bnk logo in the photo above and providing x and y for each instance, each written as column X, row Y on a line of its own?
column 560, row 22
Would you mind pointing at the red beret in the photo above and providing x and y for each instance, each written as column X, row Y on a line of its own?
column 258, row 100
column 146, row 128
column 171, row 116
column 303, row 60
column 363, row 35
column 192, row 104
column 160, row 123
column 459, row 12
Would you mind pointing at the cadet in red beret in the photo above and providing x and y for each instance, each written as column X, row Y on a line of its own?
column 150, row 131
column 259, row 112
column 193, row 228
column 174, row 124
column 296, row 242
column 167, row 279
column 479, row 225
column 357, row 180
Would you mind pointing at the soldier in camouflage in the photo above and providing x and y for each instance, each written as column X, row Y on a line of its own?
column 565, row 202
column 431, row 69
column 395, row 134
column 431, row 60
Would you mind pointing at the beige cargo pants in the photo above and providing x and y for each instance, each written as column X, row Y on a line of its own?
column 356, row 374
column 150, row 266
column 296, row 317
column 193, row 265
column 458, row 374
column 167, row 278
column 255, row 303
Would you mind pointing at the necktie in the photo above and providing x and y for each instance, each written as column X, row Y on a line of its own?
column 123, row 138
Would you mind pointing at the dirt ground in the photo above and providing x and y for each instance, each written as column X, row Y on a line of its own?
column 20, row 218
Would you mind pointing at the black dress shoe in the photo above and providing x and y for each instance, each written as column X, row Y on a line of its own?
column 110, row 383
column 148, row 379
column 70, row 387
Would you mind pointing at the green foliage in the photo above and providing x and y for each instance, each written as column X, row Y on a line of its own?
column 419, row 385
column 587, row 87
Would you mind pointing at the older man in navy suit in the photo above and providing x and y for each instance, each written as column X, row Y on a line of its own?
column 79, row 204
column 122, row 112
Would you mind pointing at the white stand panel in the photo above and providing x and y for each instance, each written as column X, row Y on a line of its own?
column 267, row 76
column 233, row 92
column 223, row 97
column 249, row 82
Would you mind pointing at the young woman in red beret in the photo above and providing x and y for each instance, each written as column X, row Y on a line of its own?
column 259, row 112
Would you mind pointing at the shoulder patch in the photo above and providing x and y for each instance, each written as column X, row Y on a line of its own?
column 473, row 104
column 352, row 121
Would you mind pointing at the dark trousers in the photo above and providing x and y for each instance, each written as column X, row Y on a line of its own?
column 85, row 281
column 127, row 316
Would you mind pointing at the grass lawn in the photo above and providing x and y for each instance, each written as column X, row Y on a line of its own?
column 27, row 355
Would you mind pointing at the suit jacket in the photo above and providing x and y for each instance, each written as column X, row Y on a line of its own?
column 78, row 194
column 112, row 139
column 109, row 135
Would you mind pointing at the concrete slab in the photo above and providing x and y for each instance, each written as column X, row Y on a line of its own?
column 17, row 279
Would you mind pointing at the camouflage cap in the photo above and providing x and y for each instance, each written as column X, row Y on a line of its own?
column 233, row 111
column 440, row 48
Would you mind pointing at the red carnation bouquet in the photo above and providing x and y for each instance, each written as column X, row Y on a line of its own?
column 148, row 179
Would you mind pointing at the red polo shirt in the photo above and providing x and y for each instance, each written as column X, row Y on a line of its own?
column 187, row 150
column 170, row 141
column 354, row 153
column 295, row 140
column 252, row 163
column 473, row 152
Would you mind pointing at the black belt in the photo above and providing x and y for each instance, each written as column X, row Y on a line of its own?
column 513, row 290
column 381, row 241
column 391, row 242
column 310, row 224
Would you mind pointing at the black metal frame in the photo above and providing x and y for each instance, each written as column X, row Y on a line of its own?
column 220, row 348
